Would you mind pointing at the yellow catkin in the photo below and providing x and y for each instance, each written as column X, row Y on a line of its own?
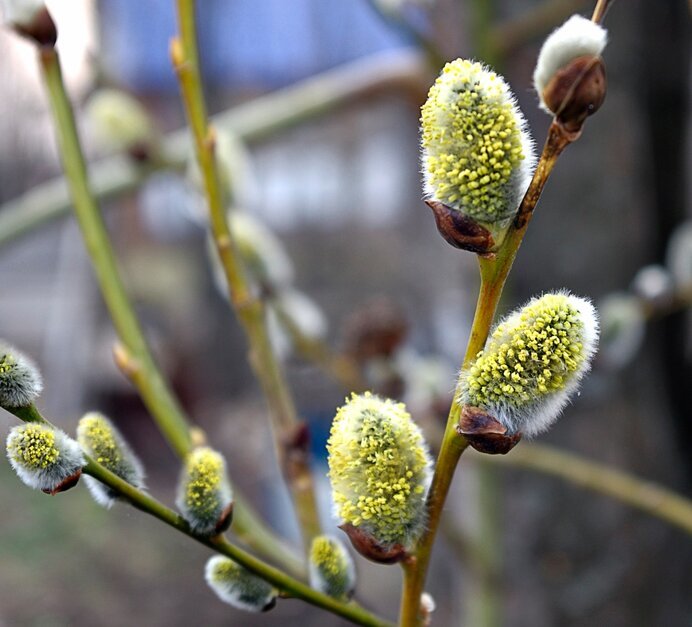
column 476, row 155
column 379, row 468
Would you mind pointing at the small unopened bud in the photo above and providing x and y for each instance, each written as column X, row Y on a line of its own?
column 119, row 122
column 292, row 318
column 655, row 285
column 376, row 329
column 331, row 568
column 379, row 469
column 100, row 439
column 570, row 75
column 237, row 586
column 31, row 19
column 20, row 380
column 44, row 458
column 264, row 257
column 679, row 255
column 204, row 496
column 531, row 365
column 477, row 155
column 623, row 328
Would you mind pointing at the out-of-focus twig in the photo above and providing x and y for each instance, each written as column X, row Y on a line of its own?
column 259, row 118
column 290, row 434
column 644, row 495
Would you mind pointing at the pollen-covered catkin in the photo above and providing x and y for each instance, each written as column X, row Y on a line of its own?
column 477, row 153
column 100, row 439
column 331, row 567
column 379, row 469
column 204, row 492
column 237, row 586
column 20, row 380
column 43, row 457
column 532, row 362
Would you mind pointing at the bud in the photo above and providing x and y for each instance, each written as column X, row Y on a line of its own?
column 331, row 568
column 237, row 586
column 265, row 260
column 204, row 493
column 531, row 364
column 623, row 327
column 570, row 75
column 293, row 317
column 20, row 380
column 477, row 154
column 119, row 122
column 100, row 439
column 31, row 19
column 379, row 469
column 654, row 284
column 44, row 458
column 679, row 255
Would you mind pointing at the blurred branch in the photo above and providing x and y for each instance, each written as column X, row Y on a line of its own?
column 259, row 118
column 133, row 355
column 644, row 495
column 290, row 433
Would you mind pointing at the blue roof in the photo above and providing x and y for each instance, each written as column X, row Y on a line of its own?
column 259, row 44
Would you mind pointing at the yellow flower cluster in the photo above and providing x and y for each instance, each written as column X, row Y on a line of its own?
column 204, row 491
column 237, row 586
column 95, row 433
column 379, row 469
column 331, row 567
column 43, row 457
column 34, row 447
column 20, row 381
column 532, row 361
column 100, row 439
column 476, row 153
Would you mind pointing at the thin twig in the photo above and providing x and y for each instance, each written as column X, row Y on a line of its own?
column 134, row 356
column 290, row 434
column 600, row 11
column 644, row 495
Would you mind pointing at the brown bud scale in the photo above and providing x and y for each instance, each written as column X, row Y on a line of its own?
column 484, row 433
column 461, row 231
column 576, row 91
column 370, row 548
column 65, row 485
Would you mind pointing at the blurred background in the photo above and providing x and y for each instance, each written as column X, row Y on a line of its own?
column 333, row 170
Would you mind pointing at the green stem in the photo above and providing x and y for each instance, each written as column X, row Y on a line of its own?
column 135, row 357
column 644, row 495
column 494, row 270
column 281, row 580
column 142, row 501
column 169, row 415
column 485, row 598
column 289, row 432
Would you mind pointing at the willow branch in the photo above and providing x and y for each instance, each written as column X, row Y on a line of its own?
column 290, row 434
column 134, row 356
column 287, row 585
